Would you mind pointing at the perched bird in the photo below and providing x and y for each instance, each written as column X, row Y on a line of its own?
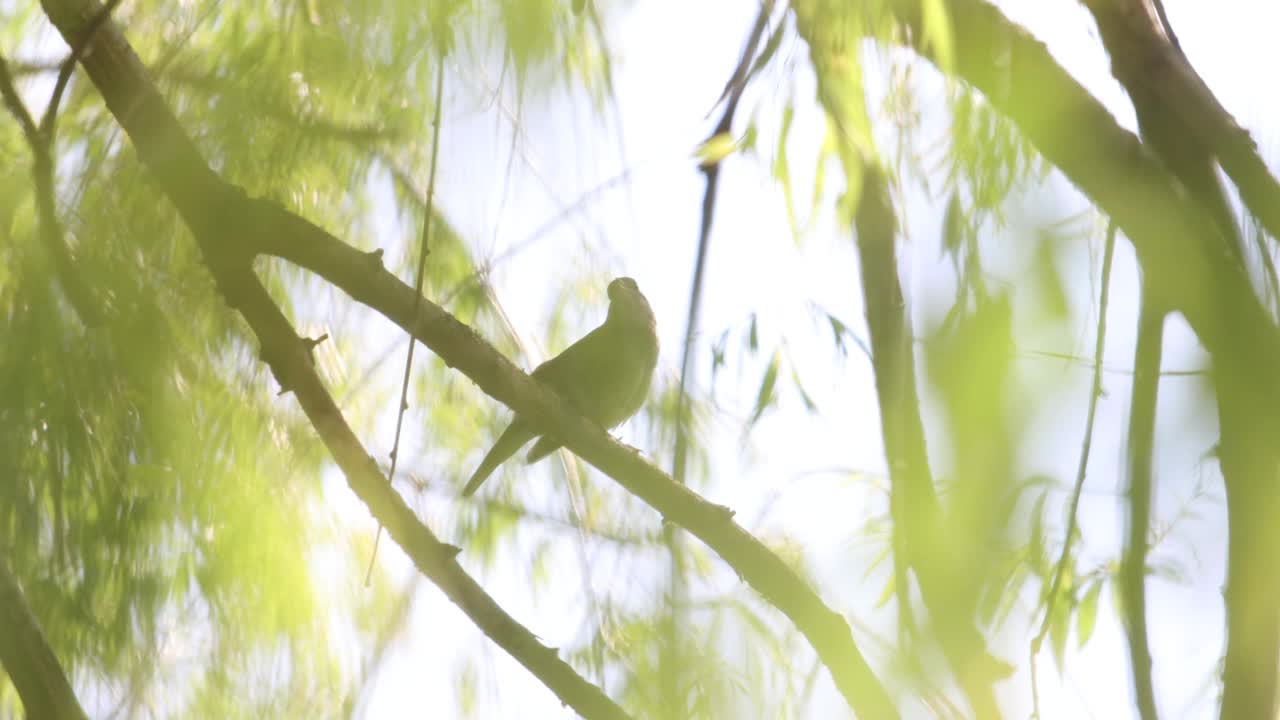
column 605, row 375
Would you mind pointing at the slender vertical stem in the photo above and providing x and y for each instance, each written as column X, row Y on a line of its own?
column 417, row 293
column 1133, row 576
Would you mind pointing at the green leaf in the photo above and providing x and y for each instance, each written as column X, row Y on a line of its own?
column 807, row 399
column 1058, row 628
column 1035, row 547
column 766, row 397
column 953, row 227
column 748, row 141
column 887, row 593
column 1087, row 614
column 782, row 168
column 716, row 148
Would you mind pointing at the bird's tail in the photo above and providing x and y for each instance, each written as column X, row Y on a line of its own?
column 511, row 440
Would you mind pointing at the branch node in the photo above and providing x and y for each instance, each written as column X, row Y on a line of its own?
column 311, row 343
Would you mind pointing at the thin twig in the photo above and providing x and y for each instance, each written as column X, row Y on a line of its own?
column 417, row 293
column 69, row 65
column 1095, row 391
column 670, row 670
column 50, row 229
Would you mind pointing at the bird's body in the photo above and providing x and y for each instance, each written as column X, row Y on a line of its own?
column 605, row 375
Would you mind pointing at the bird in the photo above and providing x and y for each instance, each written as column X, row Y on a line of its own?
column 605, row 375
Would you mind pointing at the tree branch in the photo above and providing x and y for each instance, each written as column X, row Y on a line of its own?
column 919, row 524
column 1189, row 130
column 41, row 682
column 1247, row 454
column 1082, row 466
column 1133, row 566
column 209, row 207
column 231, row 228
column 290, row 361
column 1071, row 129
column 1148, row 61
column 50, row 229
column 671, row 660
column 362, row 277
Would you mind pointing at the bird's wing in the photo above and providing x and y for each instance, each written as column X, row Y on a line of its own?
column 511, row 440
column 581, row 374
column 577, row 364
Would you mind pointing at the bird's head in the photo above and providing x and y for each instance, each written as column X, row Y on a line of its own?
column 627, row 304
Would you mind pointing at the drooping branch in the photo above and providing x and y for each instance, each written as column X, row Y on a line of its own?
column 1133, row 566
column 1182, row 121
column 1149, row 62
column 1072, row 130
column 914, row 505
column 1189, row 270
column 231, row 229
column 52, row 235
column 917, row 518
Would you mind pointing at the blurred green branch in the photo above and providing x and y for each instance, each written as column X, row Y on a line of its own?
column 27, row 658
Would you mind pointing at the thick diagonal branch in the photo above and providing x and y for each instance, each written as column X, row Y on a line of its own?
column 41, row 682
column 1150, row 64
column 290, row 361
column 209, row 207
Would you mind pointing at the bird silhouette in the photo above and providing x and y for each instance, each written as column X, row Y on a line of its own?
column 605, row 375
